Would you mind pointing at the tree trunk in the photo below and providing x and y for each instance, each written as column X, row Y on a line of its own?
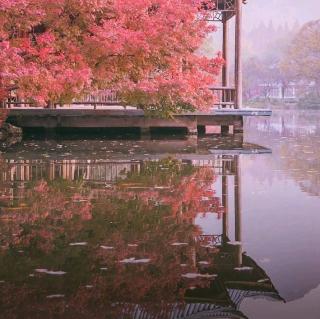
column 50, row 105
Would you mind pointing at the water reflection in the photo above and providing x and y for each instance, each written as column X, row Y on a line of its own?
column 294, row 138
column 281, row 201
column 120, row 233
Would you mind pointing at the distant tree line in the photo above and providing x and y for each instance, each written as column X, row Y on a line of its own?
column 283, row 59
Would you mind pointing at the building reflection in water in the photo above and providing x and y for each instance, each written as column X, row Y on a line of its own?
column 141, row 254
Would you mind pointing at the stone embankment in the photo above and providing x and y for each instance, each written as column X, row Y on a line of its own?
column 9, row 134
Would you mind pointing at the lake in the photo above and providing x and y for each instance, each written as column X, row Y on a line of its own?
column 218, row 227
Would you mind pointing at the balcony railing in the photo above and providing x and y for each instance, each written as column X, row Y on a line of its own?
column 225, row 97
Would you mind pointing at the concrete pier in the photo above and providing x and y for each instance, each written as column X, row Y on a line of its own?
column 88, row 118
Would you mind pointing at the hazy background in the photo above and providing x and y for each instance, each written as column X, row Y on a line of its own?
column 286, row 14
column 279, row 65
column 280, row 11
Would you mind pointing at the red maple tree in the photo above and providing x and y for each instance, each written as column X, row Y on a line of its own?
column 145, row 49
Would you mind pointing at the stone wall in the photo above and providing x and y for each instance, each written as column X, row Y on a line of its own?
column 9, row 134
column 3, row 116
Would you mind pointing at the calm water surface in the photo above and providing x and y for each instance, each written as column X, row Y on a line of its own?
column 179, row 228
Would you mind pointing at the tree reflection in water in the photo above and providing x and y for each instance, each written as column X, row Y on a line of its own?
column 122, row 250
column 139, row 217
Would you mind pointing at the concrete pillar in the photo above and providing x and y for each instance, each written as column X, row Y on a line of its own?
column 238, row 54
column 238, row 126
column 238, row 140
column 51, row 133
column 224, row 130
column 192, row 129
column 145, row 133
column 202, row 130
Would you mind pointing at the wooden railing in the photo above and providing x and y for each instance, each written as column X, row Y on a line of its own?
column 105, row 97
column 225, row 97
column 91, row 170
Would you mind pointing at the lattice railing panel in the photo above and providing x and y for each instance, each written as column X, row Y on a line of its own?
column 222, row 9
column 225, row 97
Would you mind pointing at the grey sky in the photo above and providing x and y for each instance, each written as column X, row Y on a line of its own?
column 281, row 11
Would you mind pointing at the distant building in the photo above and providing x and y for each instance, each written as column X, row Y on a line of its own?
column 278, row 91
column 290, row 92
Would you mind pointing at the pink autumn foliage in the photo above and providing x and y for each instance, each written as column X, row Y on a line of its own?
column 56, row 50
column 45, row 210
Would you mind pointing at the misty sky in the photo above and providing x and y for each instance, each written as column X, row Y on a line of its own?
column 281, row 11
